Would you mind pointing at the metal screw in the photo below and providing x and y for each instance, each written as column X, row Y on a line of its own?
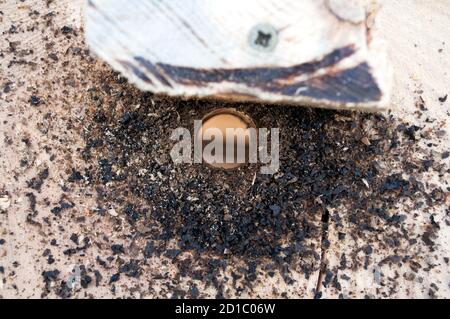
column 263, row 38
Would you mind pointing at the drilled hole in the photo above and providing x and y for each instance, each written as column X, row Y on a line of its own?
column 235, row 141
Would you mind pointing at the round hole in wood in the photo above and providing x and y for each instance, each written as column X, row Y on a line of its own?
column 231, row 129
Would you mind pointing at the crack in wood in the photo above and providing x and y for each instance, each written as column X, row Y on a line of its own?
column 324, row 246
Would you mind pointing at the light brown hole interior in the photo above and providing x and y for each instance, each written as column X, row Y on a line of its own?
column 222, row 119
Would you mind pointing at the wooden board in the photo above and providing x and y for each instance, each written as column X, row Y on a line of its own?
column 418, row 40
column 309, row 52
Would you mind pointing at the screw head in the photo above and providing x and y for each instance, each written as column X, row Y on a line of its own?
column 263, row 37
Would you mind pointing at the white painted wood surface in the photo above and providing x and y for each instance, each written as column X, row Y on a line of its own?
column 320, row 53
